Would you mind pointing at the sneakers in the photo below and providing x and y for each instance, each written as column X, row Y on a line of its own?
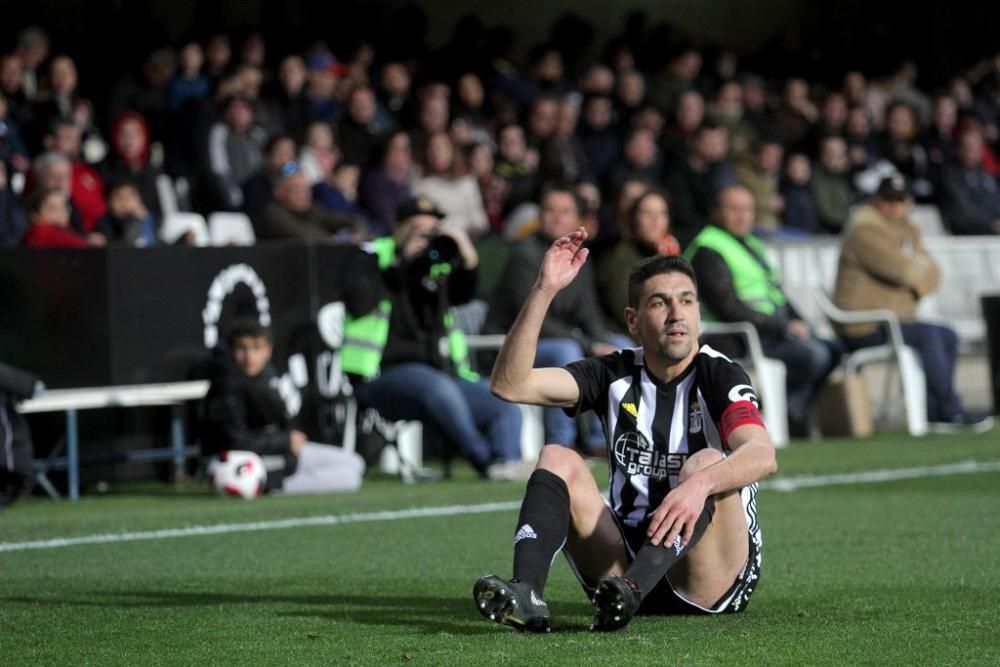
column 512, row 603
column 617, row 599
column 964, row 422
column 510, row 470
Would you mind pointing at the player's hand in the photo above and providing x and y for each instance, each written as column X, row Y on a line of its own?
column 678, row 513
column 563, row 261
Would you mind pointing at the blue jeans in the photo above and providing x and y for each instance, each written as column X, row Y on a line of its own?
column 482, row 427
column 808, row 363
column 937, row 347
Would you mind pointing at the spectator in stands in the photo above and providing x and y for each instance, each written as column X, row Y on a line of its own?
column 647, row 234
column 516, row 165
column 900, row 145
column 695, row 177
column 832, row 121
column 599, row 136
column 972, row 197
column 727, row 111
column 234, row 152
column 573, row 326
column 13, row 221
column 796, row 113
column 188, row 83
column 318, row 149
column 19, row 106
column 86, row 186
column 433, row 114
column 128, row 221
column 761, row 175
column 799, row 216
column 641, row 161
column 293, row 215
column 130, row 159
column 862, row 145
column 398, row 348
column 688, row 116
column 386, row 186
column 738, row 284
column 218, row 57
column 562, row 158
column 258, row 191
column 394, row 93
column 338, row 193
column 61, row 101
column 288, row 104
column 48, row 212
column 324, row 73
column 12, row 148
column 831, row 184
column 245, row 412
column 455, row 192
column 494, row 189
column 938, row 140
column 32, row 50
column 145, row 92
column 884, row 264
column 357, row 133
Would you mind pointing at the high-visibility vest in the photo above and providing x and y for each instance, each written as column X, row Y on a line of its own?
column 365, row 337
column 757, row 286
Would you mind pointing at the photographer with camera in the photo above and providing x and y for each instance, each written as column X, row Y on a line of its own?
column 414, row 360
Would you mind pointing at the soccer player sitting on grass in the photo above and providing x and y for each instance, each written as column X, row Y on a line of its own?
column 678, row 533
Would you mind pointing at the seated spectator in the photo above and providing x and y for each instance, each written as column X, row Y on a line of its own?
column 235, row 151
column 688, row 116
column 338, row 193
column 86, row 186
column 573, row 325
column 13, row 221
column 258, row 191
column 12, row 148
column 761, row 175
column 938, row 140
column 54, row 171
column 128, row 221
column 884, row 264
column 862, row 145
column 799, row 216
column 727, row 111
column 244, row 412
column 641, row 161
column 397, row 349
column 493, row 188
column 971, row 196
column 386, row 185
column 831, row 185
column 287, row 102
column 319, row 147
column 647, row 234
column 796, row 113
column 695, row 177
column 129, row 159
column 453, row 191
column 48, row 213
column 357, row 132
column 900, row 146
column 516, row 165
column 599, row 137
column 60, row 102
column 293, row 215
column 562, row 157
column 188, row 83
column 738, row 284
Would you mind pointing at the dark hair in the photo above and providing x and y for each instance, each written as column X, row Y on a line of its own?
column 118, row 183
column 633, row 210
column 654, row 266
column 246, row 327
column 33, row 203
column 557, row 186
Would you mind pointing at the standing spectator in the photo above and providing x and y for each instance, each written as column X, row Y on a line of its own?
column 971, row 196
column 884, row 264
column 387, row 185
column 455, row 192
column 831, row 185
column 234, row 154
column 738, row 284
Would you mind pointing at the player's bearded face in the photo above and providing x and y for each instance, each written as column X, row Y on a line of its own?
column 667, row 319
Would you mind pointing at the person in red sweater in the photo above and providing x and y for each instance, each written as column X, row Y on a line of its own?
column 48, row 211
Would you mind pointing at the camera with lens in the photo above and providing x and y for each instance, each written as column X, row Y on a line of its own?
column 432, row 266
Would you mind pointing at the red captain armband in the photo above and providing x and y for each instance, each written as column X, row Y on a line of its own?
column 738, row 414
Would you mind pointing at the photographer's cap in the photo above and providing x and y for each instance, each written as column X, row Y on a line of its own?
column 418, row 206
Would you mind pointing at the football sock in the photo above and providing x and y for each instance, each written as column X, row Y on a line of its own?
column 653, row 561
column 542, row 528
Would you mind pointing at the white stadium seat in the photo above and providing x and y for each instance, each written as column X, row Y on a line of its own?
column 230, row 228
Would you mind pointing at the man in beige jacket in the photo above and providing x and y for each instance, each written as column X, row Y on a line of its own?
column 884, row 264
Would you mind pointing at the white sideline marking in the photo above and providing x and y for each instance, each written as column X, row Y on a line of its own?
column 784, row 484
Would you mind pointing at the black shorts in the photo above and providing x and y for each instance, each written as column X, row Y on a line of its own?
column 664, row 600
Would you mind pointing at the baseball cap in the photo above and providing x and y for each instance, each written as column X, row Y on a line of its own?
column 893, row 187
column 325, row 61
column 418, row 206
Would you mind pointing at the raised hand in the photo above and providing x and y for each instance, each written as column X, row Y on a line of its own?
column 563, row 261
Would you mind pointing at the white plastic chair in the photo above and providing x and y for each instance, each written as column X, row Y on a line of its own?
column 770, row 374
column 230, row 228
column 911, row 373
column 167, row 194
column 177, row 224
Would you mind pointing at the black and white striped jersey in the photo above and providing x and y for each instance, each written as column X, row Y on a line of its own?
column 652, row 427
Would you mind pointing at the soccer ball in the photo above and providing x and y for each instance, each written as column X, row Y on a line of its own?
column 237, row 473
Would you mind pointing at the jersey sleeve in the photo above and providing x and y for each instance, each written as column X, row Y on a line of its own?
column 732, row 400
column 591, row 375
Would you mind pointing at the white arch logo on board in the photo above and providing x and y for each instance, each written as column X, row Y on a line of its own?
column 222, row 286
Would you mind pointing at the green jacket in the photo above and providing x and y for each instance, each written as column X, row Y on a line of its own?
column 365, row 337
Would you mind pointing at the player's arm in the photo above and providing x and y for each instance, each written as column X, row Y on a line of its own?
column 751, row 459
column 514, row 376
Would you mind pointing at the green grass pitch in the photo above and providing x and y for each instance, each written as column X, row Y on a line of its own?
column 896, row 573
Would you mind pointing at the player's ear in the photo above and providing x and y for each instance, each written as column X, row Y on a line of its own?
column 632, row 320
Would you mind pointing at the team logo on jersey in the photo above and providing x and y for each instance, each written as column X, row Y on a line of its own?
column 636, row 456
column 694, row 417
column 631, row 409
column 743, row 392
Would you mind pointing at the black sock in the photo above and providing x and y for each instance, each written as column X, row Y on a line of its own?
column 653, row 562
column 542, row 528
